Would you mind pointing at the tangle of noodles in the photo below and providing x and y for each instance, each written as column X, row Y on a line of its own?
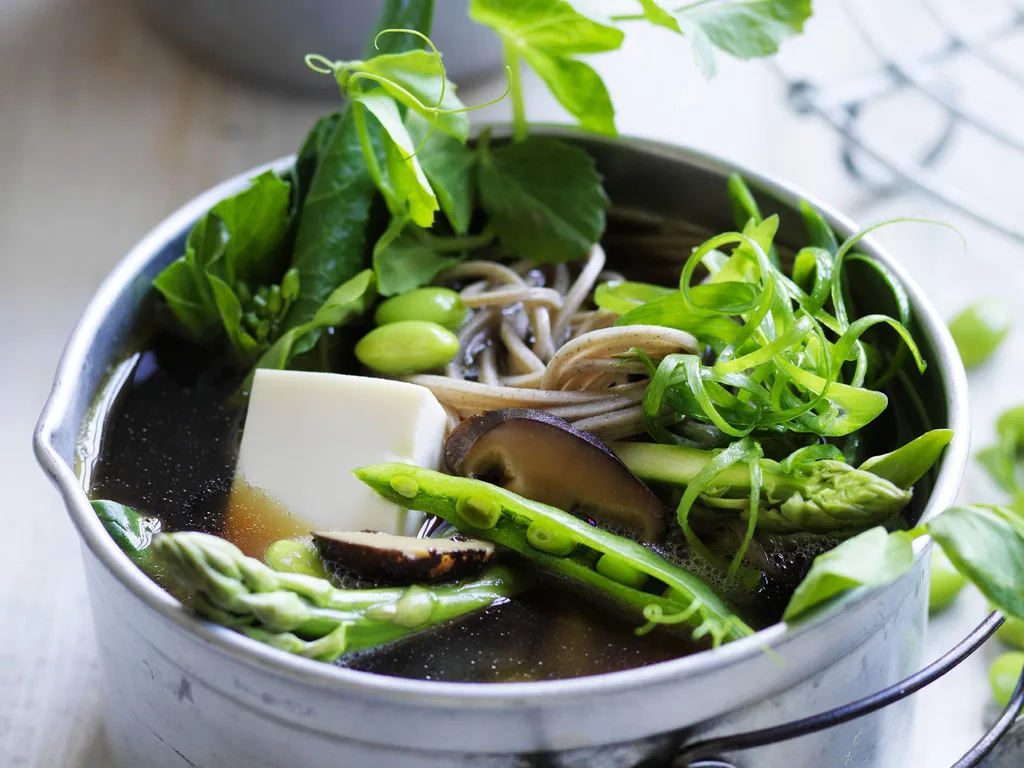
column 535, row 341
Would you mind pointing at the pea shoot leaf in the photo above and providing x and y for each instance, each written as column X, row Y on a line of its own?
column 449, row 168
column 986, row 544
column 405, row 263
column 745, row 30
column 980, row 328
column 415, row 79
column 238, row 239
column 409, row 181
column 548, row 35
column 873, row 558
column 543, row 198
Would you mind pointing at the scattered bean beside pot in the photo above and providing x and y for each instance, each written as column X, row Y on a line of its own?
column 1004, row 674
column 407, row 346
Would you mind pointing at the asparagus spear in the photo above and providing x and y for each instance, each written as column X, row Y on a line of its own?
column 564, row 546
column 309, row 616
column 823, row 495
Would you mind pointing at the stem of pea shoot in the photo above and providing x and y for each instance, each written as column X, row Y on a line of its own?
column 519, row 127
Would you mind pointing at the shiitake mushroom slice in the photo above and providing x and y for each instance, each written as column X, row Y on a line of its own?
column 545, row 459
column 402, row 560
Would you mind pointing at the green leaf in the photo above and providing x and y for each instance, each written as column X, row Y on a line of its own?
column 400, row 14
column 330, row 246
column 743, row 29
column 577, row 87
column 177, row 284
column 543, row 197
column 987, row 545
column 750, row 29
column 673, row 311
column 256, row 220
column 980, row 328
column 548, row 34
column 405, row 263
column 819, row 233
column 622, row 296
column 449, row 168
column 1002, row 460
column 870, row 559
column 414, row 79
column 311, row 151
column 908, row 464
column 410, row 182
column 348, row 301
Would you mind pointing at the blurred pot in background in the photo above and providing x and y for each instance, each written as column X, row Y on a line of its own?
column 265, row 41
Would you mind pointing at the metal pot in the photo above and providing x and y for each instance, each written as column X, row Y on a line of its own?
column 183, row 692
column 266, row 40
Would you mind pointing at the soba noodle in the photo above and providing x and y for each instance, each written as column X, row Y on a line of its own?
column 531, row 345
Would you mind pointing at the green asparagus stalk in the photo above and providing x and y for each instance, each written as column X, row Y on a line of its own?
column 309, row 616
column 563, row 545
column 822, row 496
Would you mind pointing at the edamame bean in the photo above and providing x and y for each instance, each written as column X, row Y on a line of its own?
column 946, row 582
column 1012, row 632
column 436, row 305
column 295, row 556
column 547, row 539
column 407, row 346
column 617, row 569
column 1004, row 674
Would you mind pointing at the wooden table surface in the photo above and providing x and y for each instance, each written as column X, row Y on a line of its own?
column 105, row 129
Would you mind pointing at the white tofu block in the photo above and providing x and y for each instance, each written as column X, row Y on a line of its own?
column 306, row 432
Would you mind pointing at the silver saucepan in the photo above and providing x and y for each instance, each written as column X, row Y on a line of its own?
column 184, row 692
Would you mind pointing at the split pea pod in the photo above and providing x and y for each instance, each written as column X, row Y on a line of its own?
column 615, row 566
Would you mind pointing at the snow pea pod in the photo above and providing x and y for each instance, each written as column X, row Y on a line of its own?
column 693, row 601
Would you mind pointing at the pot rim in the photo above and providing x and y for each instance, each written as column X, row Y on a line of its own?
column 53, row 423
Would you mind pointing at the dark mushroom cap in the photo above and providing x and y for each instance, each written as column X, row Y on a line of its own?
column 545, row 459
column 402, row 559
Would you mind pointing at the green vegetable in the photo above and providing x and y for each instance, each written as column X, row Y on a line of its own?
column 908, row 464
column 132, row 532
column 407, row 346
column 1002, row 461
column 449, row 168
column 404, row 262
column 822, row 495
column 618, row 569
column 543, row 198
column 547, row 539
column 306, row 615
column 980, row 328
column 985, row 544
column 237, row 239
column 548, row 35
column 872, row 559
column 346, row 302
column 436, row 305
column 330, row 245
column 1004, row 674
column 743, row 29
column 696, row 603
column 945, row 584
column 295, row 556
column 1012, row 632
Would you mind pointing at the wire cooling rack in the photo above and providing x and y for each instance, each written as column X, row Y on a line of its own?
column 956, row 66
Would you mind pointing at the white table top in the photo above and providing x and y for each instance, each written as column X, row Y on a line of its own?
column 104, row 129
